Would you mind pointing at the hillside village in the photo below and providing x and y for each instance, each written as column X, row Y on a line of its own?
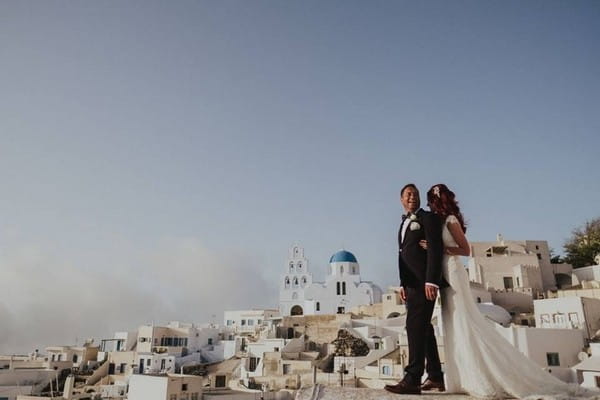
column 342, row 332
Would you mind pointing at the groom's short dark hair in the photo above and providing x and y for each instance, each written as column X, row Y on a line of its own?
column 411, row 185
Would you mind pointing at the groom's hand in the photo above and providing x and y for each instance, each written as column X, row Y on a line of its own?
column 402, row 294
column 430, row 292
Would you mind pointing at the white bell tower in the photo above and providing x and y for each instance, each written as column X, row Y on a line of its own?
column 296, row 278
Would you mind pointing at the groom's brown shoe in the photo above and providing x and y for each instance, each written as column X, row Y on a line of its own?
column 432, row 385
column 403, row 388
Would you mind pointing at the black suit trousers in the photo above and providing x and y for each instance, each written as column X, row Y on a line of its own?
column 421, row 338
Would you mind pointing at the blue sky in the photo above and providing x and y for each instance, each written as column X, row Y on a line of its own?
column 214, row 134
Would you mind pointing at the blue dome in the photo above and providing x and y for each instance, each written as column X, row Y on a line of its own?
column 343, row 256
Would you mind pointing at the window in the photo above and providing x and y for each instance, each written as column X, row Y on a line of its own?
column 253, row 363
column 553, row 360
column 287, row 281
column 508, row 282
column 539, row 256
column 525, row 322
column 122, row 368
column 341, row 310
column 389, row 297
column 286, row 369
column 259, row 321
column 276, row 349
column 162, row 364
column 74, row 358
column 339, row 290
column 291, row 267
column 343, row 288
column 518, row 282
column 376, row 345
column 573, row 317
column 220, row 381
column 386, row 370
column 597, row 381
column 479, row 299
column 318, row 306
column 243, row 322
column 342, row 269
column 210, row 341
column 299, row 266
column 184, row 387
column 545, row 319
column 250, row 322
column 148, row 362
column 558, row 318
column 354, row 270
column 229, row 322
column 537, row 247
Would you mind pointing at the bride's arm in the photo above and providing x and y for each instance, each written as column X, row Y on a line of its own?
column 463, row 248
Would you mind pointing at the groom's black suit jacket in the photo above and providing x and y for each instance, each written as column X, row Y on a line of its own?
column 415, row 264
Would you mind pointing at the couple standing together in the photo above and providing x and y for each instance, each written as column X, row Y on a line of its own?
column 479, row 361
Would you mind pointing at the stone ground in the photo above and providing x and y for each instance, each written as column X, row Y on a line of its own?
column 320, row 392
column 337, row 393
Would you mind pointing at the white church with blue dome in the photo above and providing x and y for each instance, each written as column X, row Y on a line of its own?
column 342, row 289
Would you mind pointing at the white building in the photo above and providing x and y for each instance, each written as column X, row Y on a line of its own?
column 342, row 289
column 522, row 266
column 588, row 370
column 253, row 366
column 248, row 321
column 591, row 273
column 82, row 357
column 555, row 350
column 121, row 341
column 581, row 313
column 165, row 387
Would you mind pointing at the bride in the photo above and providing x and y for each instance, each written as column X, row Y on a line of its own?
column 479, row 361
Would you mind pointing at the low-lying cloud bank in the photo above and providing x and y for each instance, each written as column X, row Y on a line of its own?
column 46, row 299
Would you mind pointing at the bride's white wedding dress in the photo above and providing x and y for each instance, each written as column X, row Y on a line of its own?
column 479, row 361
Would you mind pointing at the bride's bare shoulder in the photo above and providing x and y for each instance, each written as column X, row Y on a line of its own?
column 451, row 219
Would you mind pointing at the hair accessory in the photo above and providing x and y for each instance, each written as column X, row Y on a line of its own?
column 436, row 191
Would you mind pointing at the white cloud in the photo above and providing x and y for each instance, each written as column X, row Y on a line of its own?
column 46, row 299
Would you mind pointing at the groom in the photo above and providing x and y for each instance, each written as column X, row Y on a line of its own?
column 420, row 279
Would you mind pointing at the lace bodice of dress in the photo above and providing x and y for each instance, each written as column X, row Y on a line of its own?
column 447, row 237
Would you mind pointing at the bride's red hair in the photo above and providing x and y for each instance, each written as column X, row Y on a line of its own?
column 442, row 201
